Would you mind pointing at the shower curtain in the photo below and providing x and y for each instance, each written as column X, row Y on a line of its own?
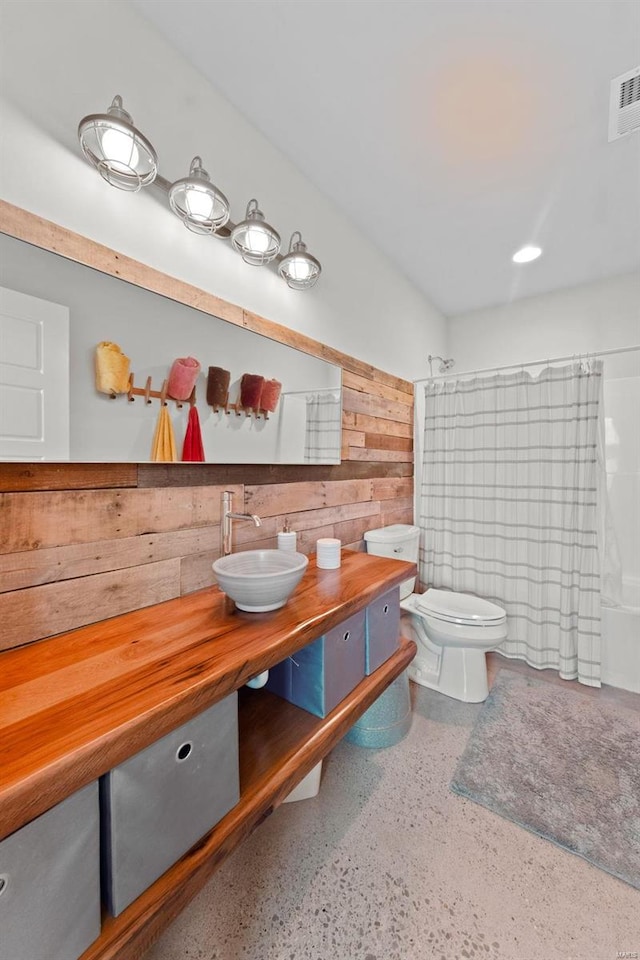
column 508, row 507
column 323, row 427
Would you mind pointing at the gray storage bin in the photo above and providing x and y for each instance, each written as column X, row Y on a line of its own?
column 323, row 673
column 382, row 629
column 50, row 882
column 160, row 802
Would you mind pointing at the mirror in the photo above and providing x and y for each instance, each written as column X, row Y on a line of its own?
column 152, row 330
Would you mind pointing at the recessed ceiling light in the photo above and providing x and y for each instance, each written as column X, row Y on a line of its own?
column 526, row 254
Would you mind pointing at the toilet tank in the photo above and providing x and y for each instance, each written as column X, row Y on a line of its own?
column 399, row 541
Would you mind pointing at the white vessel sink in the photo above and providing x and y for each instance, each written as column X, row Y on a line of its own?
column 260, row 580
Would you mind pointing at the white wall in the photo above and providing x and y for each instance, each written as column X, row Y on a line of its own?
column 622, row 447
column 61, row 60
column 587, row 318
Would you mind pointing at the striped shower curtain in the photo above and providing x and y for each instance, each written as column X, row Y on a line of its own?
column 508, row 507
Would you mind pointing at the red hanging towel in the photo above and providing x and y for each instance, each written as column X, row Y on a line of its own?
column 270, row 395
column 250, row 390
column 192, row 449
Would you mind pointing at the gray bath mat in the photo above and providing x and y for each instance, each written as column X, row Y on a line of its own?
column 561, row 764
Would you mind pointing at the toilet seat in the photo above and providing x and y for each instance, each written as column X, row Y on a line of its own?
column 460, row 608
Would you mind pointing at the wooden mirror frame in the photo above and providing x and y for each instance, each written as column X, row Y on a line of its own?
column 23, row 225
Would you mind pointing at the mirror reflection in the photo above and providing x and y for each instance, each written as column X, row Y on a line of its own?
column 54, row 313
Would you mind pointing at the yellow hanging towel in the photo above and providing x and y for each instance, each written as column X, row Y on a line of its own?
column 164, row 443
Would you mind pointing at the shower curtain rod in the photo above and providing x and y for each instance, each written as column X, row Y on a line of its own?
column 532, row 363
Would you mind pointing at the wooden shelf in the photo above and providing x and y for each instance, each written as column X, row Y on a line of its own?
column 74, row 706
column 77, row 705
column 279, row 745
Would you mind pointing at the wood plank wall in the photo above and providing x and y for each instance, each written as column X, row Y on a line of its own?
column 83, row 542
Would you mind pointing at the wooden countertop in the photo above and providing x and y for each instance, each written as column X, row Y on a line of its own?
column 74, row 706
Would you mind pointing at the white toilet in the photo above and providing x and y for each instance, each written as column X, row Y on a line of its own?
column 453, row 631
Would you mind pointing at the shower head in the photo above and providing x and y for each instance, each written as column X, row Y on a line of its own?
column 444, row 364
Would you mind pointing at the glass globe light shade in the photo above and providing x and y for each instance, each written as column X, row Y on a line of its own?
column 299, row 269
column 254, row 239
column 120, row 147
column 120, row 153
column 197, row 202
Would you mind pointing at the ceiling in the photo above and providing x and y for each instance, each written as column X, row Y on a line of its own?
column 451, row 132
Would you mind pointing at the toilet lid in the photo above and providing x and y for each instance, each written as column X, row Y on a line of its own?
column 459, row 607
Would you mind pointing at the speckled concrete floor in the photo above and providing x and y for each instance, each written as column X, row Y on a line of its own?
column 386, row 863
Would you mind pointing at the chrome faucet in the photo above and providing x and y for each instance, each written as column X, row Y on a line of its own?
column 227, row 516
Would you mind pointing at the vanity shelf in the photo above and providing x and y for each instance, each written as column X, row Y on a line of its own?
column 279, row 745
column 78, row 704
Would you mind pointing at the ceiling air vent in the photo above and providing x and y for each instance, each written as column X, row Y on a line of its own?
column 624, row 105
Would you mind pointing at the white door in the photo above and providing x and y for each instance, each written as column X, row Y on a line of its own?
column 34, row 378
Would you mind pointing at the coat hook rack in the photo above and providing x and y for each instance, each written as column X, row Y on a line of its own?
column 257, row 412
column 161, row 394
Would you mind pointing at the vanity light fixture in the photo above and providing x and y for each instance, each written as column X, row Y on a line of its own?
column 127, row 160
column 197, row 202
column 299, row 269
column 254, row 239
column 526, row 254
column 121, row 154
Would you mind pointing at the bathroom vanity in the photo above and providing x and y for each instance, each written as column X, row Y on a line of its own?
column 75, row 706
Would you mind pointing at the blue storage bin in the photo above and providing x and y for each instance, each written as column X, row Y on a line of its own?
column 382, row 629
column 387, row 720
column 318, row 677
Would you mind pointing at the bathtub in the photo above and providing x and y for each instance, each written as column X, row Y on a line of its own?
column 620, row 630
